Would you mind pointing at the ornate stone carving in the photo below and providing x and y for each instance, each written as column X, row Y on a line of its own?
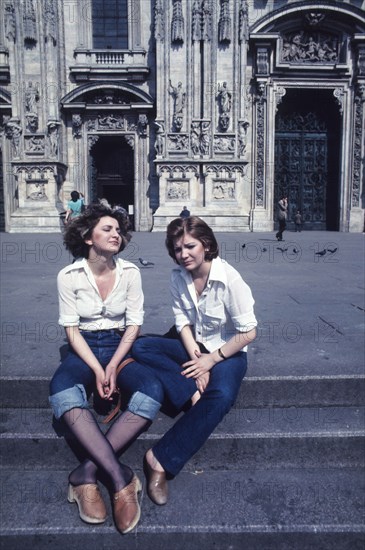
column 91, row 140
column 178, row 142
column 13, row 131
column 224, row 98
column 178, row 169
column 260, row 144
column 225, row 170
column 36, row 190
column 31, row 97
column 196, row 22
column 224, row 144
column 225, row 23
column 314, row 19
column 50, row 17
column 358, row 140
column 223, row 190
column 9, row 22
column 142, row 124
column 77, row 125
column 339, row 94
column 179, row 102
column 53, row 129
column 361, row 60
column 32, row 122
column 243, row 22
column 109, row 121
column 35, row 144
column 176, row 190
column 279, row 94
column 242, row 137
column 29, row 21
column 262, row 61
column 308, row 48
column 207, row 20
column 160, row 138
column 159, row 21
column 177, row 23
column 130, row 140
column 200, row 138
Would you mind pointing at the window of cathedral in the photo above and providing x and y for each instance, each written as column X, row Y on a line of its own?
column 110, row 24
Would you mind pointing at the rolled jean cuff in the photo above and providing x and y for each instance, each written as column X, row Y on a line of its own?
column 143, row 405
column 66, row 400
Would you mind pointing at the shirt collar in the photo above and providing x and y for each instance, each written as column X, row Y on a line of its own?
column 81, row 263
column 217, row 272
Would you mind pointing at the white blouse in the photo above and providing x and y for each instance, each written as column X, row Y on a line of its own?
column 224, row 307
column 80, row 303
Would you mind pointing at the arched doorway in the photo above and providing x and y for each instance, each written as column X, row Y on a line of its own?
column 307, row 153
column 113, row 177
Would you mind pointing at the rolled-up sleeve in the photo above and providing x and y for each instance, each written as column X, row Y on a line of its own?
column 240, row 305
column 182, row 315
column 68, row 316
column 135, row 298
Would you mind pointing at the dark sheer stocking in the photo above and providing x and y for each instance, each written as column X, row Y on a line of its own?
column 124, row 430
column 84, row 427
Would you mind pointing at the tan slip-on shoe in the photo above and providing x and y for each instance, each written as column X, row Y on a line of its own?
column 89, row 501
column 126, row 507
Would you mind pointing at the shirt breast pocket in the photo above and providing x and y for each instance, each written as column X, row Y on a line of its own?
column 214, row 317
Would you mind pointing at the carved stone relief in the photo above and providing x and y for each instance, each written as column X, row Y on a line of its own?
column 177, row 23
column 160, row 138
column 260, row 145
column 32, row 122
column 35, row 145
column 159, row 21
column 142, row 124
column 358, row 141
column 178, row 142
column 9, row 22
column 339, row 95
column 225, row 23
column 224, row 144
column 243, row 22
column 223, row 190
column 177, row 189
column 308, row 48
column 29, row 22
column 50, row 17
column 13, row 131
column 200, row 139
column 77, row 125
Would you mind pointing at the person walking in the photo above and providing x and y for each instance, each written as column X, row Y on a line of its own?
column 215, row 321
column 282, row 217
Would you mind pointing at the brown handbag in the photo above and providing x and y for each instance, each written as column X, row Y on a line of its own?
column 116, row 409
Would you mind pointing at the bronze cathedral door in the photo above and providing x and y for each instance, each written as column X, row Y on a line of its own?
column 307, row 158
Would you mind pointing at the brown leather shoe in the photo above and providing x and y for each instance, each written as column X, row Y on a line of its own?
column 126, row 506
column 157, row 486
column 90, row 502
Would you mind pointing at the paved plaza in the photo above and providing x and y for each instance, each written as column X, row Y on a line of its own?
column 310, row 307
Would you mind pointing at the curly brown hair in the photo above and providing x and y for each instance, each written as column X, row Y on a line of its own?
column 198, row 229
column 80, row 229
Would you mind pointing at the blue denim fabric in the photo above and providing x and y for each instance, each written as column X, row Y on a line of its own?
column 74, row 381
column 164, row 357
column 191, row 431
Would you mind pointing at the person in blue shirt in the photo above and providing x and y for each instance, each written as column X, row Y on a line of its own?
column 74, row 206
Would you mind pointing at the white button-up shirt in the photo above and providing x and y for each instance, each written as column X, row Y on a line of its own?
column 80, row 303
column 224, row 307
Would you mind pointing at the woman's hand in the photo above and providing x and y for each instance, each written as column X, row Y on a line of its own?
column 202, row 381
column 100, row 383
column 110, row 381
column 197, row 367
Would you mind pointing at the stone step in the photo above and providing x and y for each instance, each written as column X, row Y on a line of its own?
column 284, row 509
column 276, row 391
column 271, row 437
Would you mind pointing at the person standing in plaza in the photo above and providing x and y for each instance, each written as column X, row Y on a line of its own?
column 215, row 321
column 101, row 308
column 298, row 221
column 282, row 217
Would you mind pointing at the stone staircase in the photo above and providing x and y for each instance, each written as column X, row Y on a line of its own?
column 284, row 470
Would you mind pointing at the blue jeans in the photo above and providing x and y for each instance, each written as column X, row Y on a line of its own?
column 192, row 430
column 74, row 381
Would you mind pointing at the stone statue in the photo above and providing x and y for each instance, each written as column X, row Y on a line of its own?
column 53, row 137
column 14, row 132
column 160, row 140
column 225, row 102
column 31, row 97
column 179, row 102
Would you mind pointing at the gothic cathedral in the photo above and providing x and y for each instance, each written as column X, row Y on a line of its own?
column 223, row 106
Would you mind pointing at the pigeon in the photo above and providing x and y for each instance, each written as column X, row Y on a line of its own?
column 243, row 246
column 295, row 251
column 264, row 249
column 332, row 250
column 321, row 253
column 282, row 249
column 145, row 263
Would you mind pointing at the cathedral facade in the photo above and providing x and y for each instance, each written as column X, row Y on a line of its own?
column 224, row 106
